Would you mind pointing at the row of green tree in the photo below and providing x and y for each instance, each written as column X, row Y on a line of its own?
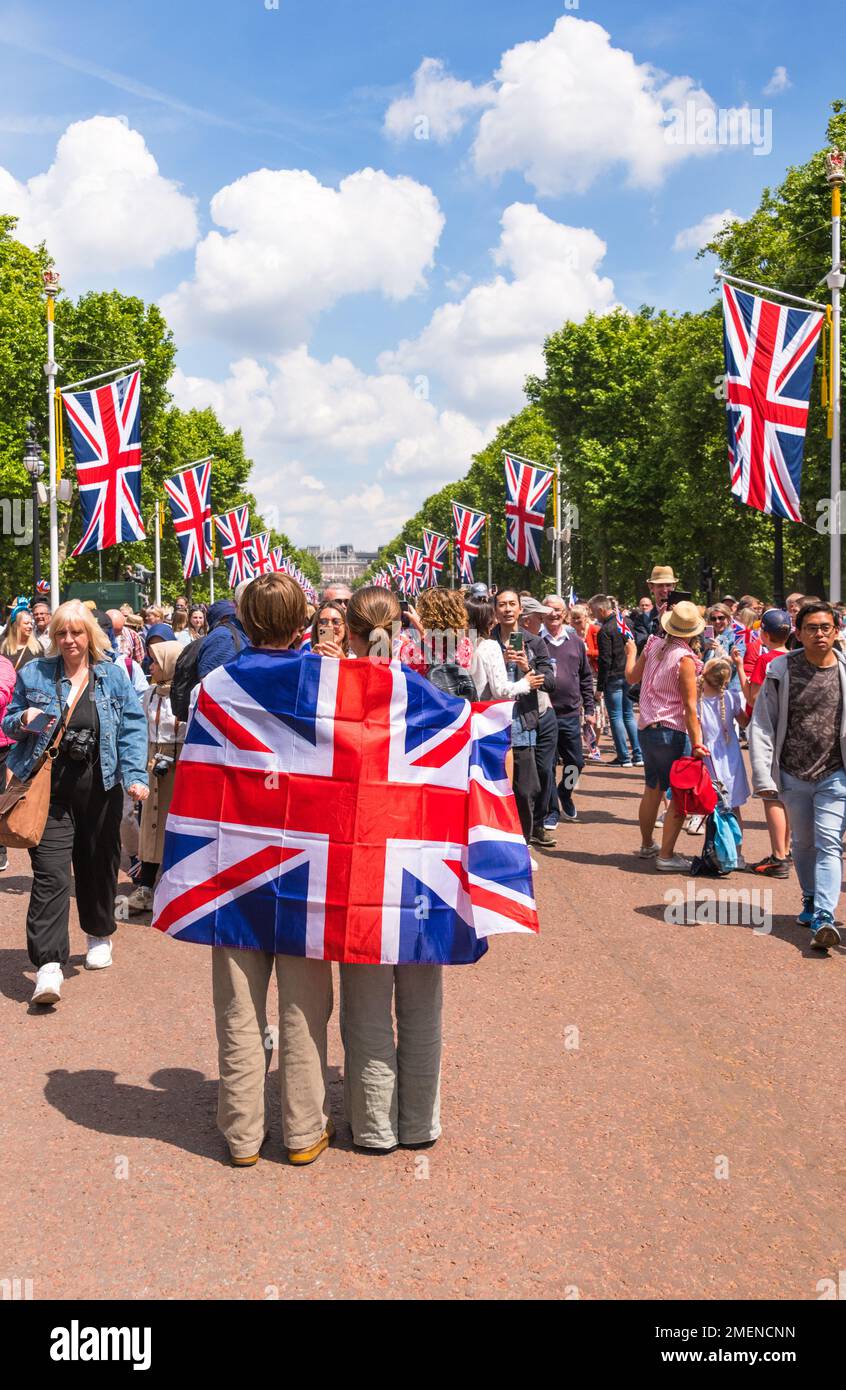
column 96, row 333
column 633, row 404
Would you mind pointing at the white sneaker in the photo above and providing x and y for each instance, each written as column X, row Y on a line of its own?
column 141, row 900
column 48, row 984
column 648, row 851
column 676, row 864
column 99, row 952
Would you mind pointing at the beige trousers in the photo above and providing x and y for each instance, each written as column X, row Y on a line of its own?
column 240, row 981
column 392, row 1089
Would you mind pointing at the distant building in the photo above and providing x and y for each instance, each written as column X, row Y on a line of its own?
column 341, row 564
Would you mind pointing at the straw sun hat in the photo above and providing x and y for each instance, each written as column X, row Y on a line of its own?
column 684, row 621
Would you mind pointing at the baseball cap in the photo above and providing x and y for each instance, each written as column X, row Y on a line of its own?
column 775, row 619
column 478, row 590
column 531, row 605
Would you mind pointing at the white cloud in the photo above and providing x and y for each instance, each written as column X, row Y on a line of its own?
column 566, row 109
column 779, row 82
column 482, row 347
column 340, row 452
column 438, row 107
column 102, row 206
column 292, row 247
column 694, row 238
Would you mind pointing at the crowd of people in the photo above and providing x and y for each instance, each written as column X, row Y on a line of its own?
column 106, row 697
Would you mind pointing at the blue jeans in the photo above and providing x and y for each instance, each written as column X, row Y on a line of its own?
column 621, row 713
column 817, row 812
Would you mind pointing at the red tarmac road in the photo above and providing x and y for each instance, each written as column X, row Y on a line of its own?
column 632, row 1109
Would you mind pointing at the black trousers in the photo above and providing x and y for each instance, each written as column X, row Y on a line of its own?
column 572, row 756
column 526, row 788
column 546, row 750
column 83, row 832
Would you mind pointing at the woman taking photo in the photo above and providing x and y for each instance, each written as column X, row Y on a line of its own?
column 165, row 736
column 329, row 631
column 103, row 745
column 391, row 1087
column 20, row 643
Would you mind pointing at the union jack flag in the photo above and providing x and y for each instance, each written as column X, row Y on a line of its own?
column 236, row 544
column 189, row 494
column 280, row 561
column 261, row 554
column 414, row 571
column 105, row 428
column 318, row 804
column 468, row 524
column 43, row 586
column 382, row 580
column 770, row 350
column 401, row 574
column 526, row 491
column 434, row 548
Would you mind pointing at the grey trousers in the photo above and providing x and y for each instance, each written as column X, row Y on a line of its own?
column 392, row 1088
column 240, row 981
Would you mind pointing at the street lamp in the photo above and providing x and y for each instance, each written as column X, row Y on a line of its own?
column 34, row 465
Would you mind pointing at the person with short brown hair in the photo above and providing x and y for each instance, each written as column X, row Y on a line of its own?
column 273, row 610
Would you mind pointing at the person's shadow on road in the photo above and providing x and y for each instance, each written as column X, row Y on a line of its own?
column 781, row 925
column 179, row 1107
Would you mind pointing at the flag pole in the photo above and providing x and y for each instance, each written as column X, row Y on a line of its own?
column 490, row 560
column 211, row 569
column 157, row 593
column 451, row 565
column 834, row 166
column 51, row 285
column 556, row 520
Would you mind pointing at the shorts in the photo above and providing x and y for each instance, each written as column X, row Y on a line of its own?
column 660, row 749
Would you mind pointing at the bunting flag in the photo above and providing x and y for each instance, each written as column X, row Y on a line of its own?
column 105, row 429
column 769, row 353
column 236, row 544
column 434, row 549
column 317, row 803
column 414, row 571
column 468, row 525
column 527, row 488
column 189, row 495
column 261, row 557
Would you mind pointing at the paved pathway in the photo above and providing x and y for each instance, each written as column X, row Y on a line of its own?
column 632, row 1109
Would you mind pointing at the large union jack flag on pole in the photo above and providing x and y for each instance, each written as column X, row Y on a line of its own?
column 105, row 428
column 414, row 571
column 345, row 811
column 770, row 350
column 527, row 489
column 262, row 554
column 236, row 544
column 434, row 548
column 468, row 525
column 189, row 494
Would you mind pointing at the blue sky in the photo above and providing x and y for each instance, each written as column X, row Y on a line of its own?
column 368, row 335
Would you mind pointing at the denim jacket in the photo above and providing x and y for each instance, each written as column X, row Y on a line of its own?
column 123, row 726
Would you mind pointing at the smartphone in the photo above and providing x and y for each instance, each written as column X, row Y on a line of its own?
column 325, row 632
column 678, row 596
column 41, row 723
column 708, row 634
column 404, row 605
column 515, row 641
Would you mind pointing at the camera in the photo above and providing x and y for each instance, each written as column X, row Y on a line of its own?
column 161, row 765
column 80, row 745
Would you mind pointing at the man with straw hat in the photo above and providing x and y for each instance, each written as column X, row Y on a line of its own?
column 667, row 669
column 660, row 583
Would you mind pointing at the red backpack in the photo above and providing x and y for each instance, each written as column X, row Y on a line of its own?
column 694, row 793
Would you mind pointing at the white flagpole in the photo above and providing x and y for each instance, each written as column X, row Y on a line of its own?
column 51, row 285
column 835, row 175
column 158, row 556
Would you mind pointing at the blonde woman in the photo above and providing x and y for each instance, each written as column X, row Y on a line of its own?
column 391, row 1085
column 104, row 745
column 20, row 642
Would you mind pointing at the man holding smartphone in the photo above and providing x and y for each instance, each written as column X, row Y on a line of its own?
column 661, row 584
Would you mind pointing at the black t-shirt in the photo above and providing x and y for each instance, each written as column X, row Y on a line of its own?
column 84, row 716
